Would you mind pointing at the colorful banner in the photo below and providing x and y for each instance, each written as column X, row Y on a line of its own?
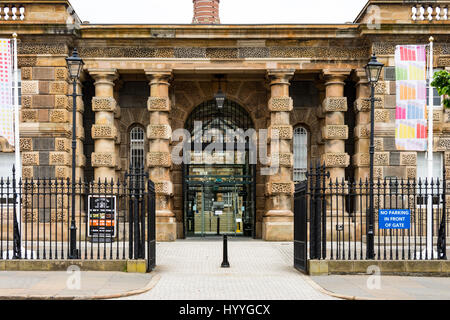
column 6, row 98
column 411, row 127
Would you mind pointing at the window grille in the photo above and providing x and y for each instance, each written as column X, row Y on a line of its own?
column 137, row 147
column 300, row 154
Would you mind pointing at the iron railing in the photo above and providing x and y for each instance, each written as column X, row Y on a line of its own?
column 114, row 219
column 338, row 216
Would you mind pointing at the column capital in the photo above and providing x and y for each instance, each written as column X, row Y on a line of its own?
column 335, row 76
column 159, row 76
column 104, row 76
column 280, row 76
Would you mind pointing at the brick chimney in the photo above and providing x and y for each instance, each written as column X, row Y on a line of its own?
column 206, row 12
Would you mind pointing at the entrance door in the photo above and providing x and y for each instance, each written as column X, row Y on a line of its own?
column 219, row 201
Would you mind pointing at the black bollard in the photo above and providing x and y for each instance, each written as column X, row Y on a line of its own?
column 218, row 225
column 225, row 263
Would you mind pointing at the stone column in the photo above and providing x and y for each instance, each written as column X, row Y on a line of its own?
column 104, row 131
column 159, row 133
column 361, row 159
column 335, row 132
column 278, row 219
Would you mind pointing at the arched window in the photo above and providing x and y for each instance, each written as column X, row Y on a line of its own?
column 137, row 147
column 300, row 154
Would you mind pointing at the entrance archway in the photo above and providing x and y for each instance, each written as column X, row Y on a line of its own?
column 219, row 183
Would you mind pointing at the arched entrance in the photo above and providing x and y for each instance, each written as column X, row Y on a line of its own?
column 219, row 184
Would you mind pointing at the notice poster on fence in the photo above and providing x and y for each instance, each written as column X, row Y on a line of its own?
column 102, row 217
column 6, row 98
column 411, row 128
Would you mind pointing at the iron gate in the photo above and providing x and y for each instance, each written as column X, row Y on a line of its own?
column 300, row 227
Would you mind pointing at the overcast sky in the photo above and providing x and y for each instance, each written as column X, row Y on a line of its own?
column 231, row 11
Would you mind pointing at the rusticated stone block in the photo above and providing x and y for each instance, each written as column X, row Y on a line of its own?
column 447, row 160
column 285, row 132
column 26, row 144
column 336, row 160
column 103, row 104
column 103, row 132
column 408, row 159
column 30, row 87
column 378, row 173
column 379, row 144
column 61, row 102
column 30, row 159
column 362, row 131
column 159, row 159
column 438, row 116
column 334, row 104
column 382, row 116
column 43, row 101
column 164, row 188
column 58, row 116
column 158, row 104
column 281, row 104
column 29, row 115
column 62, row 144
column 381, row 88
column 411, row 172
column 27, row 172
column 283, row 159
column 80, row 105
column 274, row 188
column 381, row 159
column 26, row 73
column 27, row 102
column 43, row 73
column 59, row 159
column 443, row 144
column 362, row 105
column 361, row 159
column 103, row 159
column 61, row 73
column 163, row 131
column 58, row 87
column 62, row 173
column 335, row 132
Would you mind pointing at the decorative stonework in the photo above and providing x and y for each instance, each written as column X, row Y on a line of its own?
column 61, row 102
column 319, row 52
column 335, row 132
column 379, row 144
column 29, row 115
column 221, row 53
column 281, row 104
column 411, row 172
column 26, row 73
column 103, row 159
column 408, row 159
column 275, row 188
column 438, row 116
column 361, row 159
column 62, row 172
column 58, row 87
column 284, row 132
column 59, row 159
column 43, row 48
column 159, row 159
column 381, row 159
column 58, row 116
column 447, row 159
column 444, row 144
column 62, row 144
column 158, row 104
column 362, row 105
column 335, row 104
column 27, row 172
column 103, row 104
column 103, row 132
column 30, row 158
column 164, row 188
column 163, row 131
column 362, row 131
column 27, row 102
column 26, row 144
column 336, row 160
column 26, row 61
column 381, row 88
column 382, row 116
column 284, row 159
column 30, row 87
column 378, row 173
column 61, row 73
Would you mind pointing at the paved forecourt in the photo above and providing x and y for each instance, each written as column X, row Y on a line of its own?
column 190, row 269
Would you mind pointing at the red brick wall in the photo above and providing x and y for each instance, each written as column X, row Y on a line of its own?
column 206, row 11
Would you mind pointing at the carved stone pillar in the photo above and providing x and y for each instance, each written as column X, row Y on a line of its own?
column 278, row 219
column 104, row 131
column 361, row 159
column 334, row 131
column 159, row 133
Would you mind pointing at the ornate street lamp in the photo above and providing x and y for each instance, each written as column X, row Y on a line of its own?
column 74, row 65
column 373, row 72
column 220, row 96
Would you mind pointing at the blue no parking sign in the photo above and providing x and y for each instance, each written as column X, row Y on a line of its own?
column 396, row 219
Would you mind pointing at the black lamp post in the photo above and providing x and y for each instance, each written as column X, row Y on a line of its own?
column 373, row 72
column 220, row 96
column 74, row 65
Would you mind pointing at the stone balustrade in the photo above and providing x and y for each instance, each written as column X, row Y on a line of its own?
column 12, row 12
column 430, row 12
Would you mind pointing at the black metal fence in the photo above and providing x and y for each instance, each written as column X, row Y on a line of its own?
column 114, row 220
column 338, row 216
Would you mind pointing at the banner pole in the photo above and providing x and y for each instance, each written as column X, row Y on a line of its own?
column 16, row 132
column 430, row 156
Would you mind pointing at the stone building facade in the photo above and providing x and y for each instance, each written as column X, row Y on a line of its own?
column 153, row 77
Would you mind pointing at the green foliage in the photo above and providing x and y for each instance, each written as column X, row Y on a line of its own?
column 441, row 82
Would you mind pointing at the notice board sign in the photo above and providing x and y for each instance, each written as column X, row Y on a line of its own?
column 102, row 217
column 394, row 219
